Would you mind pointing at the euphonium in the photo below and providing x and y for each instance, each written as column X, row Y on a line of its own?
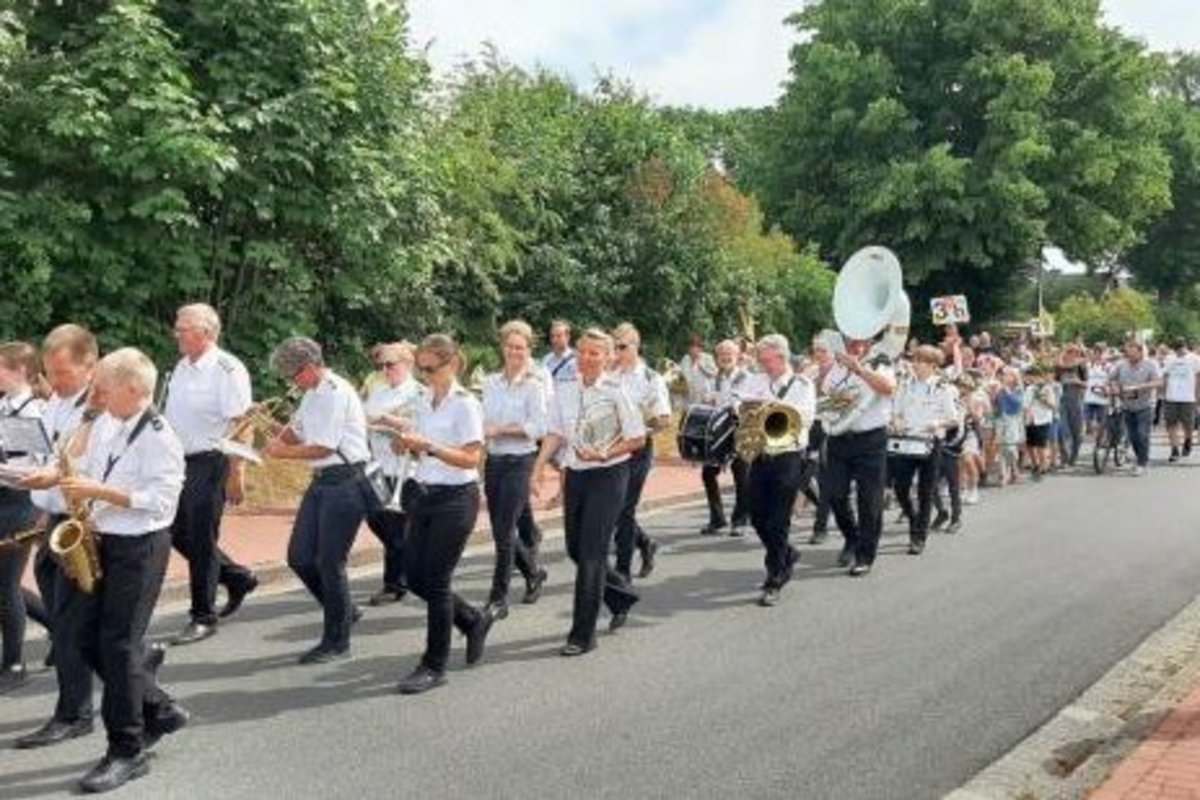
column 766, row 429
column 73, row 541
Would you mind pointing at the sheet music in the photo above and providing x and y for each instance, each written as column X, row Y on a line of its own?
column 24, row 435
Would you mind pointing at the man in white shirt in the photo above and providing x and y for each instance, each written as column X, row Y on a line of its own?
column 329, row 432
column 1181, row 382
column 132, row 473
column 725, row 383
column 561, row 361
column 206, row 393
column 774, row 480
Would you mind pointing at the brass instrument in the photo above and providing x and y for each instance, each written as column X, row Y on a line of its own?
column 672, row 373
column 767, row 428
column 598, row 426
column 261, row 422
column 73, row 542
column 20, row 538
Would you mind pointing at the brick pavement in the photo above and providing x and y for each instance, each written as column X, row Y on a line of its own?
column 1166, row 766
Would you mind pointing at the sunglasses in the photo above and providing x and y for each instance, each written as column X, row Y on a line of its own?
column 428, row 369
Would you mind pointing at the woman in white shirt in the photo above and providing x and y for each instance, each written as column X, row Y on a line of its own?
column 600, row 427
column 18, row 370
column 514, row 419
column 447, row 438
column 391, row 404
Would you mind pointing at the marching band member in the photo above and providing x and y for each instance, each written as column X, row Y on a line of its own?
column 925, row 406
column 131, row 473
column 728, row 379
column 69, row 356
column 600, row 427
column 858, row 454
column 648, row 391
column 822, row 362
column 330, row 433
column 19, row 369
column 774, row 480
column 448, row 437
column 514, row 416
column 699, row 371
column 561, row 362
column 207, row 391
column 391, row 404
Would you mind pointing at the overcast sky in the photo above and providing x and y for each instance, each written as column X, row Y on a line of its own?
column 711, row 53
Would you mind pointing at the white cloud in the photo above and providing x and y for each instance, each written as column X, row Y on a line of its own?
column 712, row 53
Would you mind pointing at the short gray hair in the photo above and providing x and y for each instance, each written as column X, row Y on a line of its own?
column 129, row 366
column 204, row 314
column 294, row 354
column 777, row 342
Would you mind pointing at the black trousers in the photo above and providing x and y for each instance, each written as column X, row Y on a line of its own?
column 16, row 514
column 629, row 532
column 859, row 459
column 62, row 598
column 438, row 529
column 110, row 625
column 195, row 531
column 528, row 530
column 824, row 506
column 331, row 511
column 947, row 469
column 903, row 470
column 712, row 492
column 389, row 527
column 506, row 485
column 774, row 482
column 592, row 502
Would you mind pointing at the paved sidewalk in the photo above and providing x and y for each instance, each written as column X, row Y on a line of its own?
column 1166, row 766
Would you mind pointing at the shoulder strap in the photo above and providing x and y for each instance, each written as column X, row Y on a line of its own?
column 17, row 411
column 782, row 393
column 149, row 416
column 554, row 372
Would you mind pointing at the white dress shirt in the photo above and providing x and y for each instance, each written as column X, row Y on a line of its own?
column 456, row 422
column 521, row 402
column 400, row 400
column 204, row 397
column 561, row 367
column 724, row 387
column 647, row 389
column 331, row 416
column 795, row 390
column 699, row 374
column 877, row 408
column 145, row 459
column 579, row 413
column 921, row 406
column 62, row 417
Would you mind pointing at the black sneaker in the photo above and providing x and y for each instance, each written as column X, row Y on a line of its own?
column 1187, row 448
column 941, row 519
column 713, row 529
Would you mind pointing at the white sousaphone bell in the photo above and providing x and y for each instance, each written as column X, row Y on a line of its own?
column 869, row 303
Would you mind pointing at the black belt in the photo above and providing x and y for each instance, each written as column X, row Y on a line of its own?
column 338, row 472
column 859, row 434
column 511, row 456
column 203, row 455
column 778, row 456
column 438, row 491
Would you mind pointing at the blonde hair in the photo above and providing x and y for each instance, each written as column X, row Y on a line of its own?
column 129, row 366
column 516, row 327
column 22, row 356
column 403, row 351
column 626, row 331
column 76, row 340
column 928, row 354
column 444, row 347
column 598, row 336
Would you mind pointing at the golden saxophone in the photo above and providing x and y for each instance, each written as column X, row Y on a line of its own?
column 73, row 542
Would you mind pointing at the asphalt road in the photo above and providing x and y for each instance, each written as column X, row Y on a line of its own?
column 897, row 687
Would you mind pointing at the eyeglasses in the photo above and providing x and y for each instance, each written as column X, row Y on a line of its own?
column 623, row 345
column 428, row 369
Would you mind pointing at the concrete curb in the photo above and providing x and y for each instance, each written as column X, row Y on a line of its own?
column 1076, row 750
column 277, row 572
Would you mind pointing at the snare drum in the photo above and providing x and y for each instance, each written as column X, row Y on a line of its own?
column 706, row 434
column 910, row 446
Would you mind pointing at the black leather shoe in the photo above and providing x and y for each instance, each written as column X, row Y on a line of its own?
column 421, row 679
column 941, row 519
column 571, row 649
column 477, row 636
column 713, row 529
column 497, row 608
column 113, row 772
column 12, row 677
column 155, row 655
column 164, row 721
column 194, row 632
column 323, row 654
column 818, row 537
column 237, row 595
column 53, row 732
column 533, row 589
column 386, row 596
column 618, row 621
column 770, row 597
column 916, row 548
column 648, row 552
column 846, row 557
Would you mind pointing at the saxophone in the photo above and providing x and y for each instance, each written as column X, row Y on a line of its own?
column 73, row 542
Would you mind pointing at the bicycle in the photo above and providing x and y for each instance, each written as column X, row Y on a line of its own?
column 1109, row 440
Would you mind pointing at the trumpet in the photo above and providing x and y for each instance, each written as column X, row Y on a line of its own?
column 262, row 421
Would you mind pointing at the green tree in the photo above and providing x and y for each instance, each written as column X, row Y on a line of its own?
column 965, row 135
column 1168, row 259
column 1116, row 315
